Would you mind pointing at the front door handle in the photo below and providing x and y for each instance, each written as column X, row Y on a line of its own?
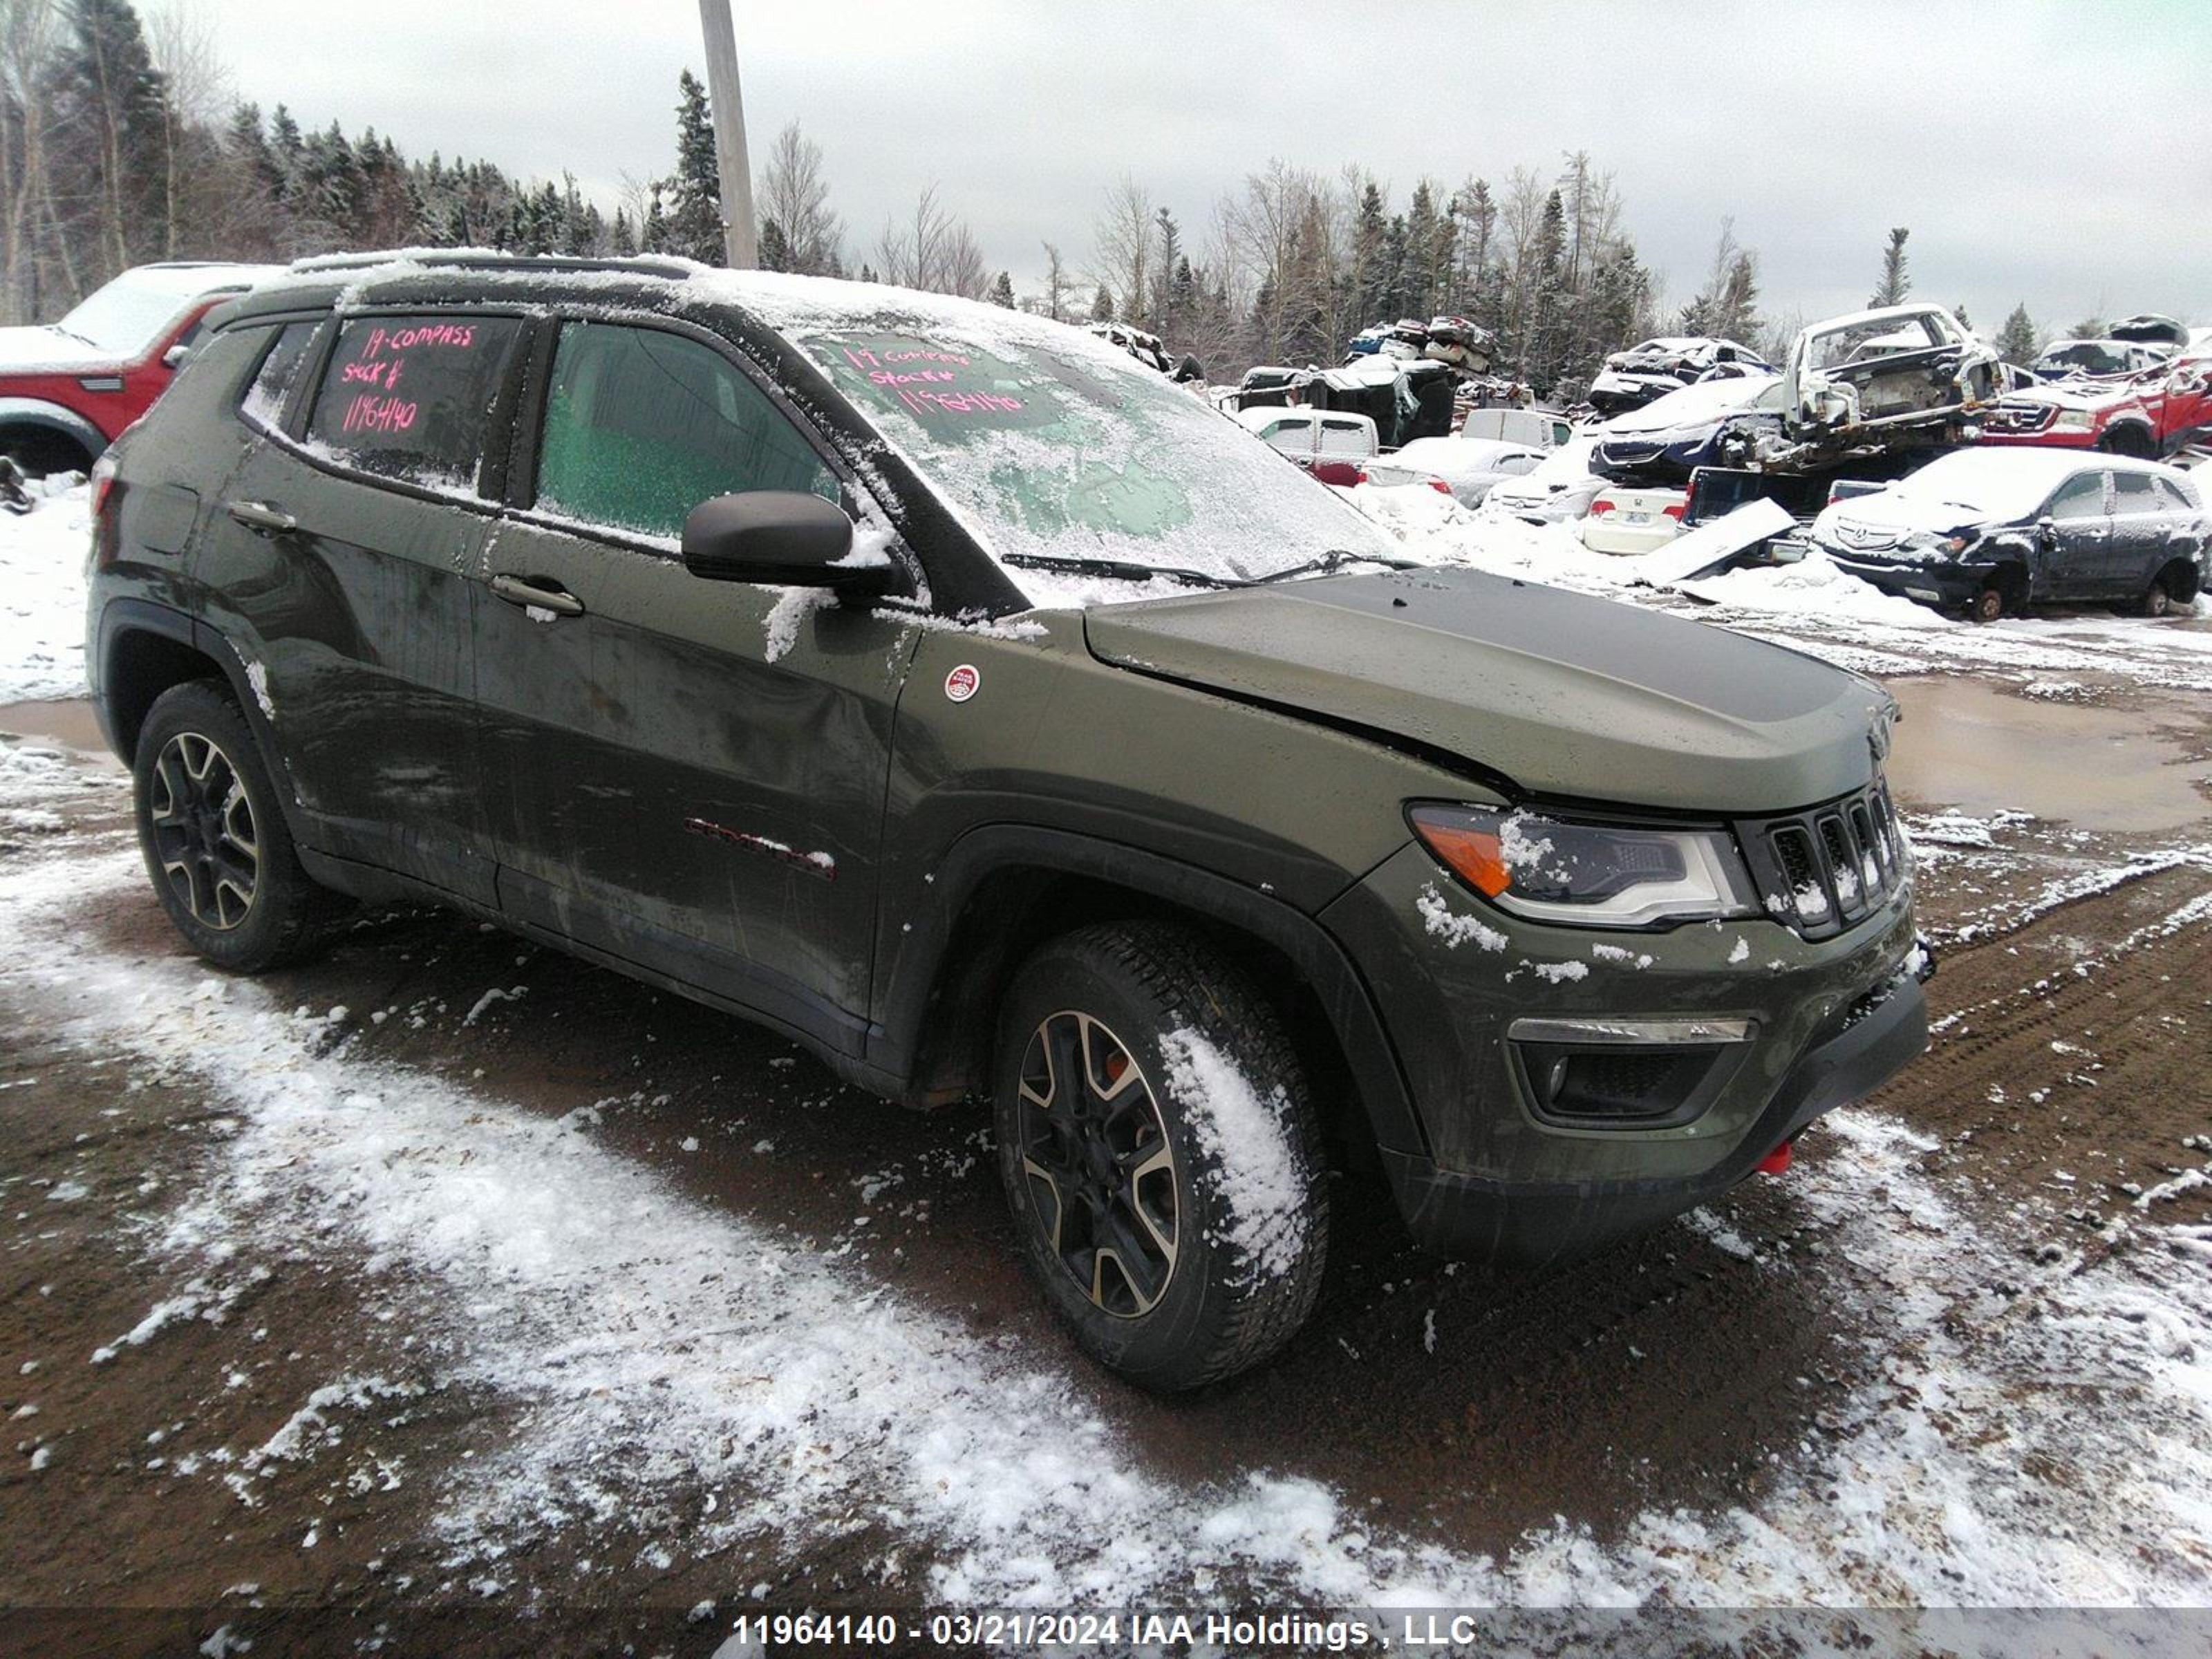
column 537, row 593
column 261, row 519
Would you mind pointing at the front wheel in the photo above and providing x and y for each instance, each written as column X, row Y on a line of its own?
column 1987, row 605
column 215, row 843
column 1161, row 1153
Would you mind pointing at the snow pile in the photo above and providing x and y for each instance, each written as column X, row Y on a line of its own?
column 1258, row 1178
column 42, row 556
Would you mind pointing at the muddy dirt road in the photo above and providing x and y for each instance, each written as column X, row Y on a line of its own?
column 448, row 1273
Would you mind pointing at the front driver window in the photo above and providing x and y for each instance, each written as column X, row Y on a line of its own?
column 2081, row 498
column 642, row 425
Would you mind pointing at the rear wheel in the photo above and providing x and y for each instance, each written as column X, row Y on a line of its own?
column 2155, row 600
column 217, row 846
column 1160, row 1152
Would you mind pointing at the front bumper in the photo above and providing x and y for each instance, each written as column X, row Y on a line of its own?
column 1947, row 585
column 1501, row 1169
column 1537, row 1222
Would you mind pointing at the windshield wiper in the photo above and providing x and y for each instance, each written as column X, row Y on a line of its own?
column 1120, row 569
column 1335, row 559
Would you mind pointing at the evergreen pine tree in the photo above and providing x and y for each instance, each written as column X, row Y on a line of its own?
column 1896, row 281
column 1102, row 306
column 695, row 216
column 2017, row 341
column 1370, row 276
column 625, row 238
column 1002, row 291
column 774, row 247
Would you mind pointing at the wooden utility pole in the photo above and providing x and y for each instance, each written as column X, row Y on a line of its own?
column 741, row 246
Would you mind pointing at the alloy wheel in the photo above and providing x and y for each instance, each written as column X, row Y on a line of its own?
column 1100, row 1169
column 204, row 836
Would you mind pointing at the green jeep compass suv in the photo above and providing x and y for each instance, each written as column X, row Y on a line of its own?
column 956, row 695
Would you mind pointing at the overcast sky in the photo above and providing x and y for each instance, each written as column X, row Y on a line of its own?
column 2057, row 153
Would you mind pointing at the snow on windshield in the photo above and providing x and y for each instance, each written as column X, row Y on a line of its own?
column 1049, row 443
column 125, row 316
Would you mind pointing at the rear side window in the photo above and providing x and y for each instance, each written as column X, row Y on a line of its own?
column 409, row 397
column 2170, row 498
column 2081, row 498
column 262, row 406
column 1343, row 438
column 642, row 425
column 2133, row 492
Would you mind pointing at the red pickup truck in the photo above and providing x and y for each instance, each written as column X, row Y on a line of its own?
column 2150, row 414
column 68, row 389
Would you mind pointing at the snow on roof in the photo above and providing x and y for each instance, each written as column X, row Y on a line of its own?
column 1879, row 314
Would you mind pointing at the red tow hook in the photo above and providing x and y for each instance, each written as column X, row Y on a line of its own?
column 1776, row 1161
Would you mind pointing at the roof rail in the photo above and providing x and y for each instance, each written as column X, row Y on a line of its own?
column 491, row 260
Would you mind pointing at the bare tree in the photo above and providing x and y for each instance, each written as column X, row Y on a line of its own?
column 933, row 250
column 796, row 197
column 1275, row 230
column 187, row 47
column 1056, row 284
column 26, row 41
column 1124, row 237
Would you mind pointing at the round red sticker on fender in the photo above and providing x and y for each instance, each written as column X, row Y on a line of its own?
column 961, row 682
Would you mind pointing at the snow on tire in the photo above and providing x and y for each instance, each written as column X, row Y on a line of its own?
column 1161, row 1153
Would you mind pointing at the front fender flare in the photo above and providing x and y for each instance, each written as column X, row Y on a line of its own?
column 896, row 1042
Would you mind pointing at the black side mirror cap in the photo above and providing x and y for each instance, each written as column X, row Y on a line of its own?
column 783, row 538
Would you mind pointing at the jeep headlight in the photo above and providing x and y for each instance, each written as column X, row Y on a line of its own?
column 2074, row 420
column 1588, row 875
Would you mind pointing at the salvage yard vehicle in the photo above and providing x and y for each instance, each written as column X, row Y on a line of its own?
column 2148, row 415
column 1715, row 423
column 1900, row 374
column 1557, row 491
column 1309, row 436
column 1991, row 532
column 1634, row 377
column 68, row 388
column 1470, row 467
column 942, row 687
column 1622, row 519
column 2065, row 360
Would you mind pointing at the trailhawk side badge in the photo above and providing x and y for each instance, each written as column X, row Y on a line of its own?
column 961, row 682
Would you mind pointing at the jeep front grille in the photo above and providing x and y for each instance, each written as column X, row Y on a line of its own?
column 1825, row 871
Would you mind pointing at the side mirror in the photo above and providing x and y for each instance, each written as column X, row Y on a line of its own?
column 783, row 538
column 175, row 355
column 2047, row 531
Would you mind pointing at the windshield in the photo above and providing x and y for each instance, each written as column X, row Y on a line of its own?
column 1706, row 401
column 1052, row 445
column 2090, row 355
column 125, row 316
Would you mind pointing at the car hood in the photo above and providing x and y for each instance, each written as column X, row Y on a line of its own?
column 42, row 348
column 2076, row 394
column 1556, row 693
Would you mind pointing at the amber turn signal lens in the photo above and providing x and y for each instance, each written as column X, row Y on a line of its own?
column 1471, row 854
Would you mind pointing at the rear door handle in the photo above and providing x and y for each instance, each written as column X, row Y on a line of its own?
column 261, row 519
column 538, row 594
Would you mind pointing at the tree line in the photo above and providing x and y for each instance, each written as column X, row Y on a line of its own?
column 120, row 143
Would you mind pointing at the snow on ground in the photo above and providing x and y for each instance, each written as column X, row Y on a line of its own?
column 644, row 1345
column 42, row 556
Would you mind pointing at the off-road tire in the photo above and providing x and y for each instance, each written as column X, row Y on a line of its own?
column 282, row 915
column 1245, row 1270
